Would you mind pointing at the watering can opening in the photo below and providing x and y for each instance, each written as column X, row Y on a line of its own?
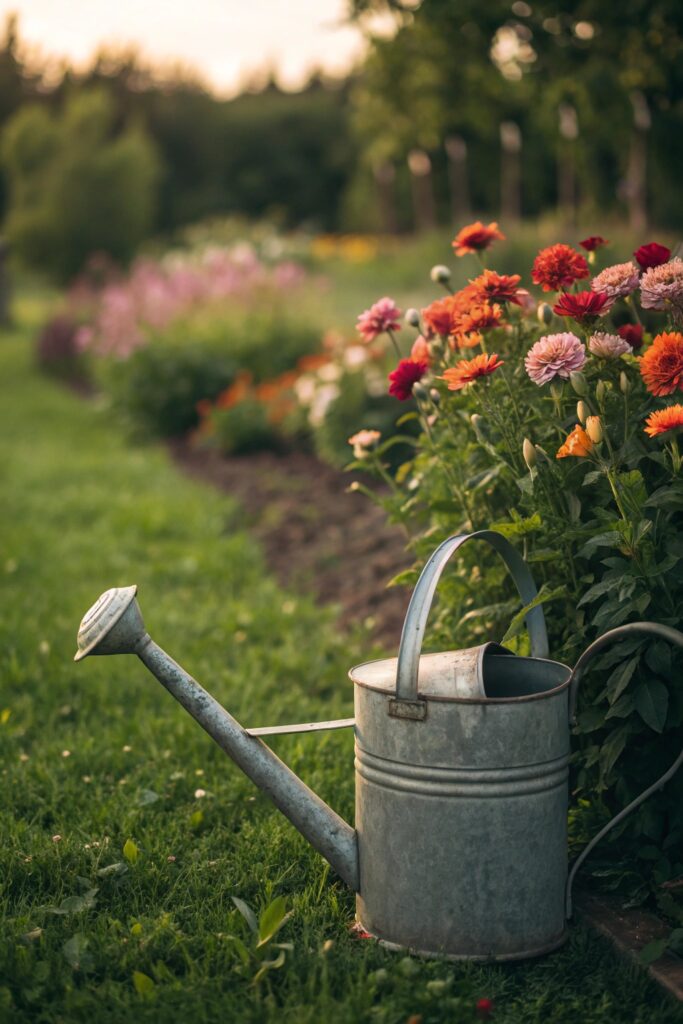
column 489, row 672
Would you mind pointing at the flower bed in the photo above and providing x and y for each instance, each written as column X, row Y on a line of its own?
column 554, row 420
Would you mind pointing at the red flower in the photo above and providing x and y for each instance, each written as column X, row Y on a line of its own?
column 467, row 371
column 407, row 373
column 438, row 317
column 493, row 287
column 662, row 365
column 583, row 307
column 593, row 242
column 558, row 266
column 663, row 420
column 632, row 333
column 475, row 237
column 651, row 255
column 484, row 1009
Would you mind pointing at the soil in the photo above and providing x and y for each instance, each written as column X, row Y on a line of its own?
column 318, row 536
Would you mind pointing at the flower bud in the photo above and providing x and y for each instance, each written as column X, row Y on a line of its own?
column 594, row 429
column 440, row 274
column 529, row 453
column 578, row 382
column 435, row 396
column 582, row 411
column 600, row 391
column 420, row 391
column 412, row 317
column 624, row 383
column 544, row 313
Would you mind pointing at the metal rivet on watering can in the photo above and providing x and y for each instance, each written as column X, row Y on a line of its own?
column 460, row 846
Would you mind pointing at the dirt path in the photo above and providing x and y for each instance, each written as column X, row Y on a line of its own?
column 316, row 534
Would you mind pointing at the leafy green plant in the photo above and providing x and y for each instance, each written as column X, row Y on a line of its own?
column 253, row 953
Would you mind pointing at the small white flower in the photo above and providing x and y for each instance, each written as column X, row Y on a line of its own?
column 66, row 753
column 56, row 839
column 199, row 793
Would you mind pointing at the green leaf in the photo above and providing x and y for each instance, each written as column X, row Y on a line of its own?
column 652, row 703
column 147, row 797
column 271, row 920
column 242, row 950
column 143, row 984
column 611, row 539
column 75, row 951
column 269, row 965
column 408, row 576
column 545, row 594
column 76, row 904
column 130, row 851
column 118, row 868
column 613, row 748
column 621, row 708
column 519, row 527
column 620, row 678
column 247, row 913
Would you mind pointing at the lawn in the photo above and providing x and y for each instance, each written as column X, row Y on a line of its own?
column 126, row 833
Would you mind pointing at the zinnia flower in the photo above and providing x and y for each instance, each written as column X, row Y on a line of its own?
column 664, row 419
column 383, row 316
column 617, row 281
column 407, row 373
column 662, row 286
column 662, row 365
column 593, row 242
column 578, row 443
column 493, row 287
column 475, row 237
column 362, row 441
column 608, row 346
column 558, row 266
column 467, row 371
column 651, row 255
column 632, row 333
column 554, row 355
column 584, row 307
column 438, row 317
column 480, row 318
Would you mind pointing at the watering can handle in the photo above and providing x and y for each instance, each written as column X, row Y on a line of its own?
column 674, row 636
column 421, row 602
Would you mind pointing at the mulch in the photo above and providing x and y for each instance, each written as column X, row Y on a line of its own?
column 318, row 536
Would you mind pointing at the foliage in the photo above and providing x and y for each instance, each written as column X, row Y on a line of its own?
column 177, row 330
column 76, row 184
column 84, row 512
column 600, row 528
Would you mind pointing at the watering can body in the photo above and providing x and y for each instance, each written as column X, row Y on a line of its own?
column 460, row 845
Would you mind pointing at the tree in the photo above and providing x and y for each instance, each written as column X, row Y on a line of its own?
column 77, row 183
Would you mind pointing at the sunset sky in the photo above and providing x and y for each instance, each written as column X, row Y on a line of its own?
column 225, row 40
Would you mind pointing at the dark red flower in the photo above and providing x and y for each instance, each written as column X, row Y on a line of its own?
column 558, row 266
column 583, row 306
column 407, row 373
column 652, row 255
column 593, row 242
column 484, row 1009
column 632, row 333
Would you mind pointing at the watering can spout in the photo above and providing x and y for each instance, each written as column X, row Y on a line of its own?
column 114, row 625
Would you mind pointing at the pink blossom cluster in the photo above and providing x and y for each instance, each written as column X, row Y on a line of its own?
column 156, row 293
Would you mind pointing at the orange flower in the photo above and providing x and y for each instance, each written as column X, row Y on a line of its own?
column 577, row 443
column 475, row 237
column 558, row 266
column 662, row 365
column 467, row 371
column 438, row 317
column 312, row 362
column 663, row 420
column 237, row 391
column 493, row 287
column 480, row 318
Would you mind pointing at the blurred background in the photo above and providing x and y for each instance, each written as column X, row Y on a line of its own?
column 124, row 123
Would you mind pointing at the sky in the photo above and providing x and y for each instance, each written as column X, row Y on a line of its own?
column 226, row 41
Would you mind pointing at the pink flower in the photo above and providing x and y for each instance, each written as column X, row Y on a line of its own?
column 383, row 316
column 662, row 286
column 608, row 346
column 617, row 281
column 554, row 355
column 420, row 350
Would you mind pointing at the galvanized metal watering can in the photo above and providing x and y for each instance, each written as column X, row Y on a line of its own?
column 460, row 845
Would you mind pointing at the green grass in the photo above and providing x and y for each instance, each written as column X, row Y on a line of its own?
column 99, row 755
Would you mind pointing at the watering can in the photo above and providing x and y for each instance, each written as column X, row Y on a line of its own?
column 460, row 844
